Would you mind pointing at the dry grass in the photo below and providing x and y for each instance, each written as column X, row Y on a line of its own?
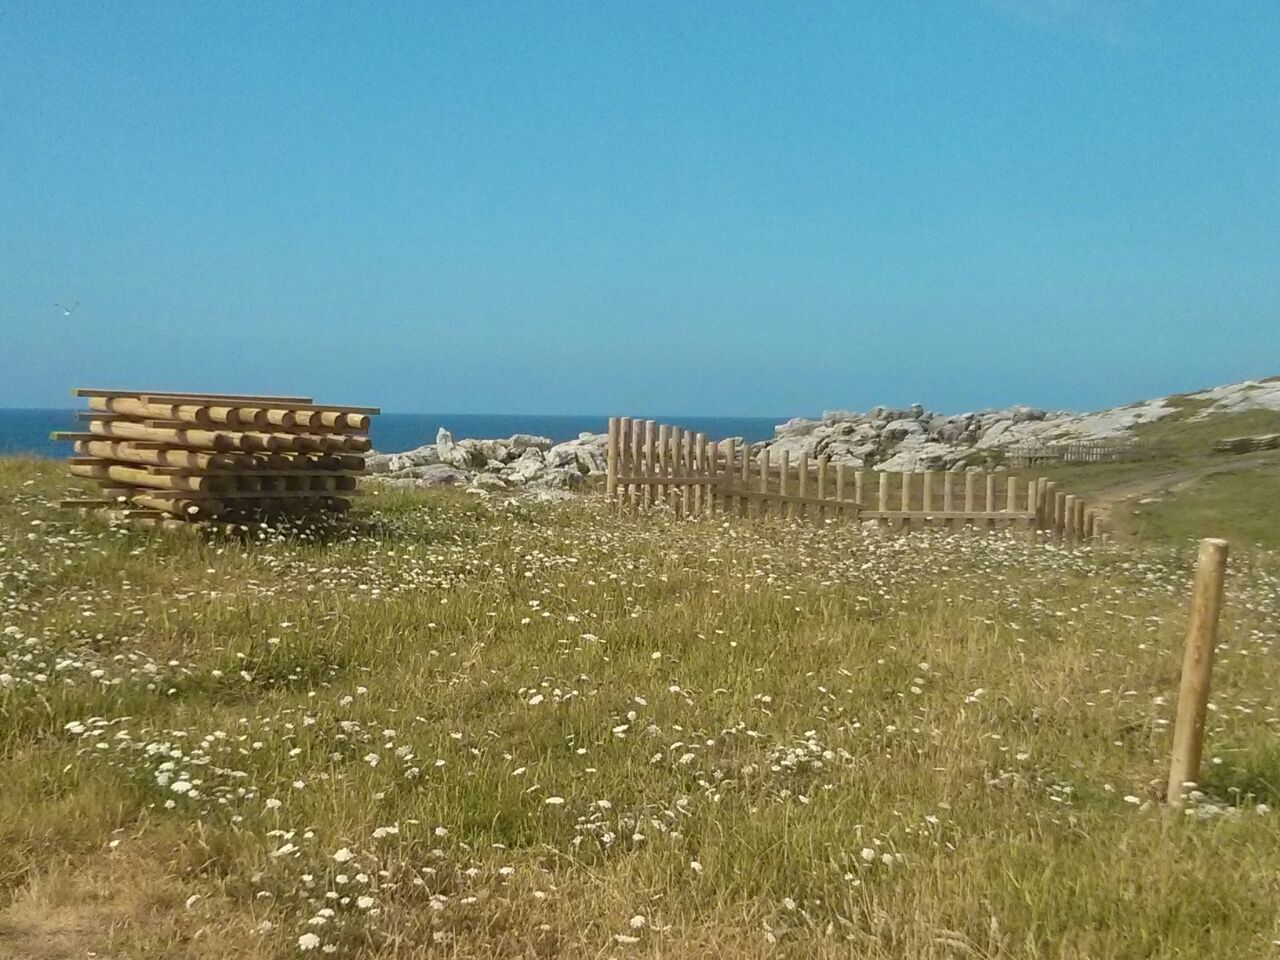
column 541, row 731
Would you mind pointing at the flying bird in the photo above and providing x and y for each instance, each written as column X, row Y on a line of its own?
column 67, row 311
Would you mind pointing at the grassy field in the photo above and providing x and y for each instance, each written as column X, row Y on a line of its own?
column 467, row 729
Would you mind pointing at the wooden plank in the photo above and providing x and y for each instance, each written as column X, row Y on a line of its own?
column 786, row 498
column 233, row 397
column 943, row 515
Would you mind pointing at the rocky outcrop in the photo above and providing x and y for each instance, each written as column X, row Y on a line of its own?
column 520, row 462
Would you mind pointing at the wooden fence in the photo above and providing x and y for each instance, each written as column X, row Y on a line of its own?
column 1113, row 450
column 651, row 463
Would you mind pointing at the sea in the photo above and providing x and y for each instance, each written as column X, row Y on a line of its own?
column 26, row 432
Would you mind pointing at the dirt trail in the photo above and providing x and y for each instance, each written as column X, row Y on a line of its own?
column 1103, row 501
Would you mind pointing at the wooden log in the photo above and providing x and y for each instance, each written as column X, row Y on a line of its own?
column 1197, row 668
column 927, row 491
column 1078, row 520
column 193, row 397
column 858, row 476
column 840, row 483
column 970, row 482
column 139, row 477
column 637, row 463
column 1059, row 515
column 761, row 506
column 948, row 491
column 179, row 507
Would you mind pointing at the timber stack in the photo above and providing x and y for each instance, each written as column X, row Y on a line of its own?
column 173, row 457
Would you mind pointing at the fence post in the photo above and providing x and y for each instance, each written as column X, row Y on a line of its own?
column 927, row 494
column 840, row 473
column 650, row 459
column 802, row 484
column 611, row 469
column 822, row 487
column 701, row 495
column 884, row 498
column 762, row 507
column 1197, row 667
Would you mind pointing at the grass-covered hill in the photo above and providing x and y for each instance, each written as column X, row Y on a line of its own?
column 468, row 728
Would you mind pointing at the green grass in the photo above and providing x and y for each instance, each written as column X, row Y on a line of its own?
column 767, row 740
column 1241, row 507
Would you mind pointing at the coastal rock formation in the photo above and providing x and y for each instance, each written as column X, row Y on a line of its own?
column 521, row 461
column 883, row 438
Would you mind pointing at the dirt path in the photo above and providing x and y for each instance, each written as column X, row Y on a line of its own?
column 1174, row 481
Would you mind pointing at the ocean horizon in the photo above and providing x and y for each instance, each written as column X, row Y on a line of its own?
column 26, row 431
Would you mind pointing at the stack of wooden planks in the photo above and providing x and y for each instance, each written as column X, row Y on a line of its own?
column 166, row 457
column 1265, row 441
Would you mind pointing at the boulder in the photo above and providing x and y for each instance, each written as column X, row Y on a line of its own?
column 439, row 475
column 796, row 427
column 518, row 443
column 917, row 453
column 557, row 478
column 453, row 454
column 902, row 428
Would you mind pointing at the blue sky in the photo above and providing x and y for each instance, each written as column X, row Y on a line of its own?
column 651, row 208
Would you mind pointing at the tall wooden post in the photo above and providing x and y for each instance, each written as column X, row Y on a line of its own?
column 1197, row 667
column 611, row 467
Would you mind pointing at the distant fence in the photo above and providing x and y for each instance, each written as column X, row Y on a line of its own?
column 1115, row 450
column 651, row 463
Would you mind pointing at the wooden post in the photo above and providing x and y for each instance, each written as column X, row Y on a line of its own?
column 1197, row 668
column 679, row 437
column 857, row 487
column 664, row 459
column 611, row 468
column 883, row 502
column 906, row 499
column 840, row 473
column 970, row 482
column 637, row 465
column 713, row 475
column 802, row 487
column 762, row 508
column 784, row 468
column 822, row 487
column 1059, row 515
column 686, row 452
column 927, row 494
column 1069, row 517
column 744, row 504
column 700, row 469
column 650, row 458
column 727, row 476
column 948, row 492
column 1078, row 520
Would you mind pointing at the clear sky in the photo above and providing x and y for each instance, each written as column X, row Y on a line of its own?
column 651, row 208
